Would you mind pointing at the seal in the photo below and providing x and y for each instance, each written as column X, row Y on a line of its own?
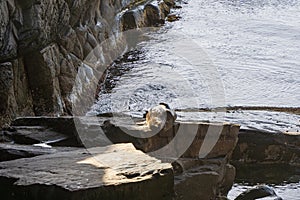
column 160, row 117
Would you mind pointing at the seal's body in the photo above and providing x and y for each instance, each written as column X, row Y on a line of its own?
column 160, row 116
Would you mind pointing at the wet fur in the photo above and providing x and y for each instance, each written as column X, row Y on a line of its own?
column 160, row 116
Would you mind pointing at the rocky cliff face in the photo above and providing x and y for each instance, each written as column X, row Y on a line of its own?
column 45, row 43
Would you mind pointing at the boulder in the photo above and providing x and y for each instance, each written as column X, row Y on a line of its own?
column 195, row 184
column 259, row 192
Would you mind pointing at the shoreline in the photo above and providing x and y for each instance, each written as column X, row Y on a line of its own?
column 292, row 110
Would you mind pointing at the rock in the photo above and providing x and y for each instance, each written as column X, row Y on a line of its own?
column 172, row 18
column 196, row 185
column 8, row 35
column 15, row 151
column 49, row 130
column 256, row 147
column 266, row 173
column 113, row 172
column 43, row 69
column 204, row 178
column 189, row 168
column 152, row 15
column 183, row 152
column 258, row 192
column 15, row 96
column 33, row 135
column 128, row 21
column 187, row 143
column 43, row 44
column 228, row 179
column 6, row 91
column 170, row 3
column 63, row 124
column 22, row 93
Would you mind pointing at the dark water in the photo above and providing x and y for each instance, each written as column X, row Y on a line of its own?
column 283, row 179
column 220, row 53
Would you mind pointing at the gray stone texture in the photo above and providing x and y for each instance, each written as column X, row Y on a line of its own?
column 44, row 43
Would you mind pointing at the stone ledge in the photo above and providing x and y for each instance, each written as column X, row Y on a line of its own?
column 257, row 147
column 188, row 168
column 15, row 151
column 113, row 172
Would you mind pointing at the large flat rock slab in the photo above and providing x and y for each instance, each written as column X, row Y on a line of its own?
column 198, row 176
column 113, row 172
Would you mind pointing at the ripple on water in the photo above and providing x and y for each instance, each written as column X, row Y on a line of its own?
column 257, row 56
column 249, row 119
column 253, row 44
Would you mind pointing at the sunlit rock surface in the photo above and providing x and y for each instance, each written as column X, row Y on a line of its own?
column 202, row 175
column 113, row 172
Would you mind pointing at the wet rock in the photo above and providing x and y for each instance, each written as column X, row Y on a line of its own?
column 170, row 3
column 45, row 44
column 266, row 173
column 152, row 15
column 113, row 172
column 256, row 147
column 15, row 95
column 258, row 192
column 172, row 18
column 128, row 21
